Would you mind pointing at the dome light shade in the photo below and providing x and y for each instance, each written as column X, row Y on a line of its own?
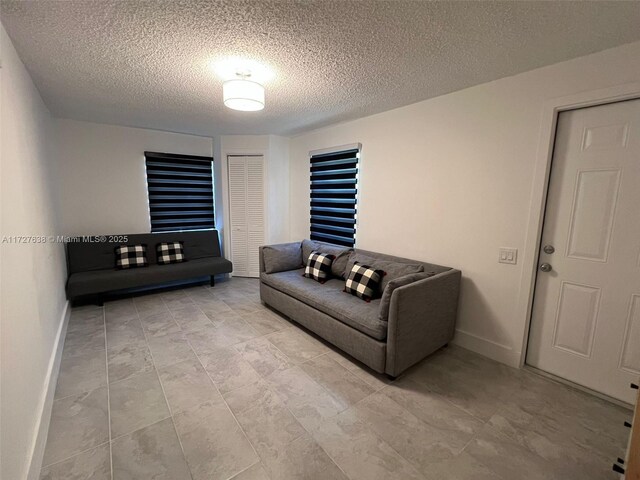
column 243, row 94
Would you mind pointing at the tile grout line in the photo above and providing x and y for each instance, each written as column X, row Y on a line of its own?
column 488, row 467
column 80, row 393
column 232, row 413
column 164, row 394
column 415, row 467
column 106, row 354
column 309, row 432
column 75, row 395
column 266, row 336
column 284, row 404
column 197, row 306
column 155, row 422
column 213, row 383
column 75, row 455
column 312, row 428
column 375, row 387
column 227, row 405
column 245, row 469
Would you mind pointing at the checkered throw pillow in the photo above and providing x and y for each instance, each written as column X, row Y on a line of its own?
column 172, row 252
column 130, row 256
column 364, row 282
column 319, row 266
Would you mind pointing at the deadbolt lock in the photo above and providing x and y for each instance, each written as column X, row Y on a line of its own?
column 549, row 249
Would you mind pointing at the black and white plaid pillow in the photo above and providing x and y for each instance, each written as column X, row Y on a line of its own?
column 172, row 252
column 364, row 282
column 131, row 256
column 319, row 266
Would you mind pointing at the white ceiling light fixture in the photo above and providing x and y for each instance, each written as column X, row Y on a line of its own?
column 243, row 94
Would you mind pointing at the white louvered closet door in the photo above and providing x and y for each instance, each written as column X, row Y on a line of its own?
column 246, row 209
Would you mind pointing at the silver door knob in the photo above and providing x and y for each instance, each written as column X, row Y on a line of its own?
column 545, row 267
column 549, row 249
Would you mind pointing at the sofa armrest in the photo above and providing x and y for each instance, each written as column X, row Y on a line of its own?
column 422, row 318
column 274, row 250
column 261, row 259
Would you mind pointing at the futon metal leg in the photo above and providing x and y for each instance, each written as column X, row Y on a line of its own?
column 213, row 281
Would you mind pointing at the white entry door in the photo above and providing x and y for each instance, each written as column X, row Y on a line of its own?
column 246, row 209
column 585, row 324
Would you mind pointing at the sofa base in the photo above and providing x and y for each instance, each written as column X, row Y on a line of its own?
column 99, row 298
column 372, row 353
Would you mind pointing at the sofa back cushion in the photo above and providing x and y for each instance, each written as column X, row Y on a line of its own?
column 84, row 255
column 282, row 257
column 428, row 267
column 392, row 269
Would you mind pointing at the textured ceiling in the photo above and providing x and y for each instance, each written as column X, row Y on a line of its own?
column 148, row 63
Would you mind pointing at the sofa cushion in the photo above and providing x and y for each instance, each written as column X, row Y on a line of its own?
column 131, row 256
column 96, row 253
column 99, row 281
column 279, row 258
column 392, row 269
column 308, row 246
column 339, row 265
column 329, row 298
column 319, row 266
column 364, row 282
column 170, row 252
column 385, row 301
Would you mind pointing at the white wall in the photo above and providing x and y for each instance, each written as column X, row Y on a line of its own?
column 275, row 150
column 449, row 180
column 101, row 178
column 278, row 190
column 32, row 300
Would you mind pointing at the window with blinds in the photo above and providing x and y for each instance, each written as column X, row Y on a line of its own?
column 180, row 192
column 334, row 196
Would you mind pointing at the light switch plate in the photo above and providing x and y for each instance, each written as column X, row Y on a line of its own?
column 508, row 255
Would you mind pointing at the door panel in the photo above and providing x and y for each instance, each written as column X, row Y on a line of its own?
column 585, row 324
column 246, row 209
column 576, row 318
column 255, row 212
column 630, row 358
column 592, row 216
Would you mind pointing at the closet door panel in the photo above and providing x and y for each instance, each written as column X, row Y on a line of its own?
column 255, row 212
column 238, row 214
column 247, row 213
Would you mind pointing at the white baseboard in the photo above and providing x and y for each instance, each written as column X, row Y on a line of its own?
column 488, row 348
column 46, row 401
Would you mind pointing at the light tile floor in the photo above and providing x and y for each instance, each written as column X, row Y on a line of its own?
column 206, row 383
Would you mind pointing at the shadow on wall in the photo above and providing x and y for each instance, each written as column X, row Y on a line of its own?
column 476, row 316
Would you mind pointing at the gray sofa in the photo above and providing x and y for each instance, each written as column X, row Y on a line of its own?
column 91, row 262
column 415, row 316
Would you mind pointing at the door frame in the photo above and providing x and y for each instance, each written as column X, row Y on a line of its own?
column 542, row 175
column 240, row 152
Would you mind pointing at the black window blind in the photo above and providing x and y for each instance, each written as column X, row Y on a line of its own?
column 334, row 196
column 180, row 192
